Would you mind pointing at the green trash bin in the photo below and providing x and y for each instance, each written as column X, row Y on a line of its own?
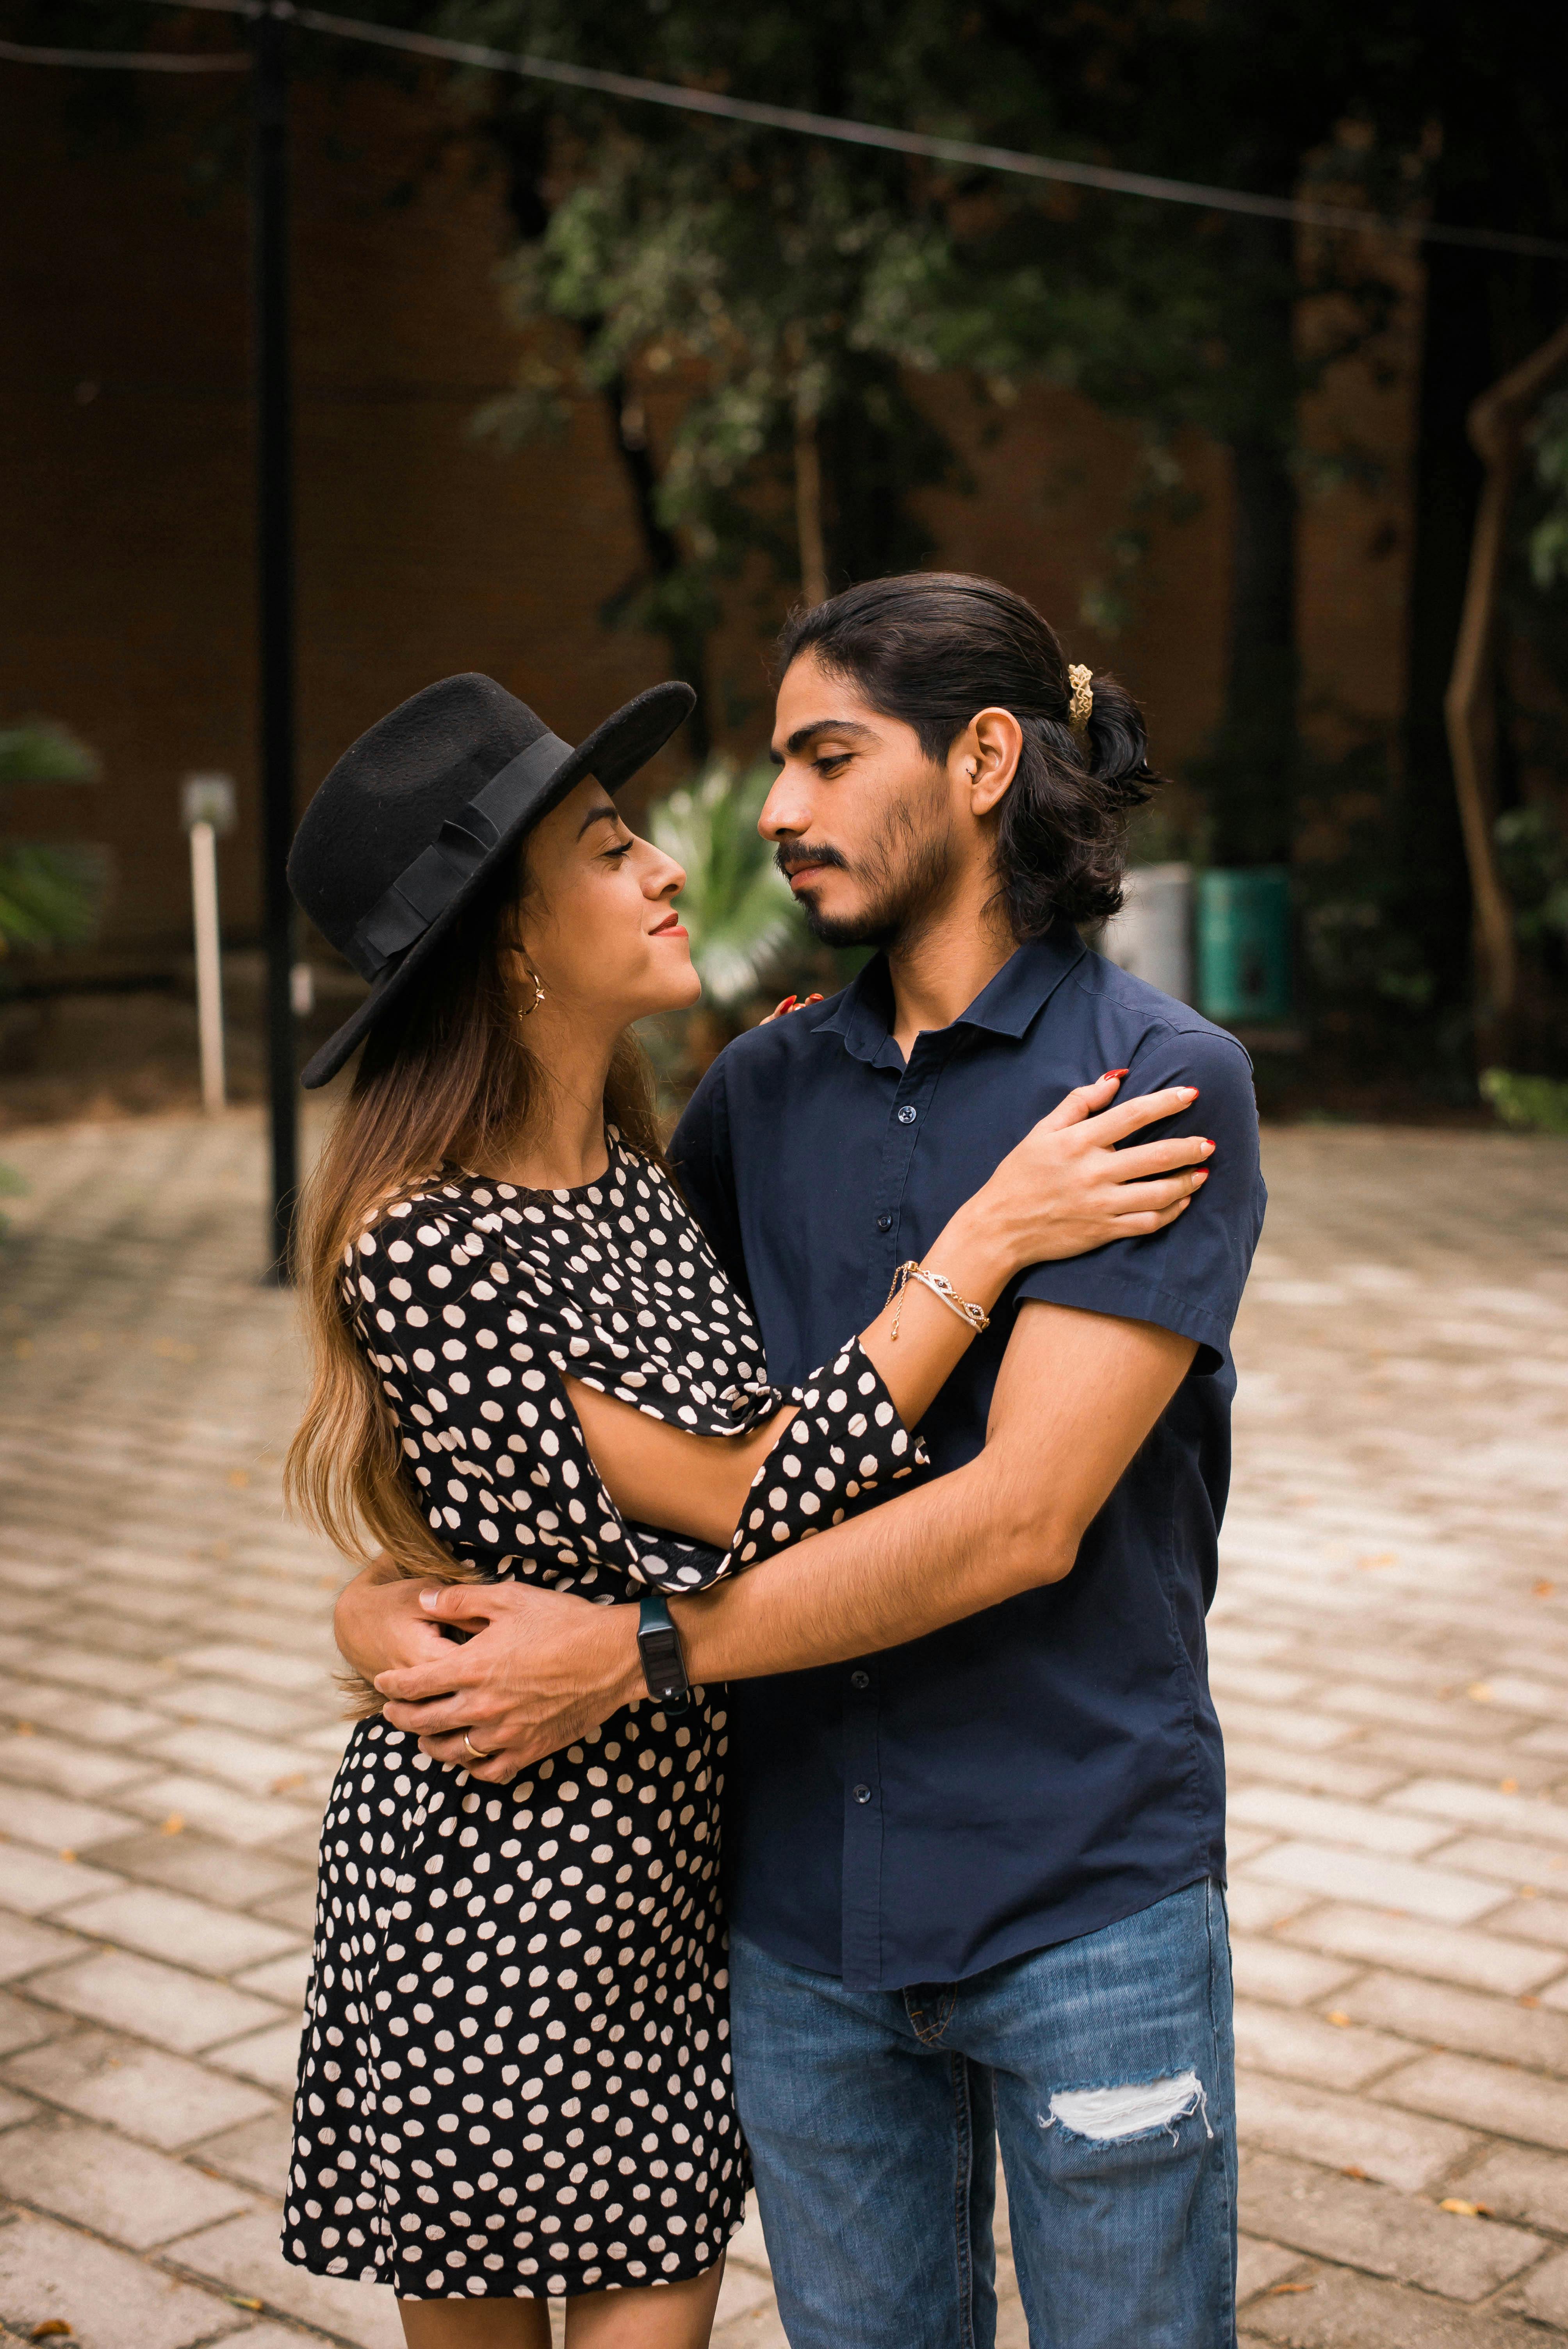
column 1244, row 946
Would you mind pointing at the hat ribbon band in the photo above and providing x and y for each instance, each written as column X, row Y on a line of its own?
column 426, row 887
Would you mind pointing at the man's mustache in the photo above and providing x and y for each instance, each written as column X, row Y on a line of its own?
column 790, row 854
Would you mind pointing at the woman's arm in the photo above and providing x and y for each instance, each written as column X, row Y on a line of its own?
column 1065, row 1189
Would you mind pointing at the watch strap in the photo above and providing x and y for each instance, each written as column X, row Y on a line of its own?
column 659, row 1646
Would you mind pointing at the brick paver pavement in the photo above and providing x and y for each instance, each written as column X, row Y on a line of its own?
column 1391, row 1657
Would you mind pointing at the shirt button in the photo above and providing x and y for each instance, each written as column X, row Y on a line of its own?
column 862, row 1794
column 859, row 1679
column 884, row 1223
column 907, row 1115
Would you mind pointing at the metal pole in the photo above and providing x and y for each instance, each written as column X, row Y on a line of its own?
column 209, row 963
column 274, row 598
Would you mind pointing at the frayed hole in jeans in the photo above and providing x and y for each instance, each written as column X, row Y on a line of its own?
column 1104, row 2115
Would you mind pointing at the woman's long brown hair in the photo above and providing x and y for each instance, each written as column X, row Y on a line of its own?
column 446, row 1084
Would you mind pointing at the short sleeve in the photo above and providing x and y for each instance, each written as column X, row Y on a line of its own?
column 845, row 1450
column 491, row 1443
column 704, row 1169
column 1188, row 1277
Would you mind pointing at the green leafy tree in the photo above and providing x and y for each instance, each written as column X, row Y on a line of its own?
column 741, row 270
column 793, row 290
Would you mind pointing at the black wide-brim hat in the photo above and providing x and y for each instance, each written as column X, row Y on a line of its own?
column 416, row 814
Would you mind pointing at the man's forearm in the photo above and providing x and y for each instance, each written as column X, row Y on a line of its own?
column 1077, row 1396
column 925, row 1560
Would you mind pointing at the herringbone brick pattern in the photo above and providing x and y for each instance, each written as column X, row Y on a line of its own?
column 1390, row 1654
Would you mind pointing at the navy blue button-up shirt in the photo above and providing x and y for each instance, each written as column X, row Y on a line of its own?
column 1053, row 1763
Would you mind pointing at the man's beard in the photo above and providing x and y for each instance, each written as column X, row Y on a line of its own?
column 905, row 877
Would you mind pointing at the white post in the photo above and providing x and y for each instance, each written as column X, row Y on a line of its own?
column 208, row 967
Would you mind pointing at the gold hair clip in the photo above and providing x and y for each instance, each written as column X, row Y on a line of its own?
column 1081, row 680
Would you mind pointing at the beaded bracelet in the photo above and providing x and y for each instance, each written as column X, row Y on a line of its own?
column 967, row 1309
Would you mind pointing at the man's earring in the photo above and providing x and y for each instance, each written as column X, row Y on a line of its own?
column 528, row 1010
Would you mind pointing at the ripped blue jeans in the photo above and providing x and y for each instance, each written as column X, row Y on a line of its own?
column 1104, row 2067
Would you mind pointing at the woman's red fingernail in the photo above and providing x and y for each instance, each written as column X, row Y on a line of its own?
column 1111, row 1073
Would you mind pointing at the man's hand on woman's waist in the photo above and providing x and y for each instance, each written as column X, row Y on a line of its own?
column 540, row 1669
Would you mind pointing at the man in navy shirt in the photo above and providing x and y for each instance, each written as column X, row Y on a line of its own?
column 976, row 1841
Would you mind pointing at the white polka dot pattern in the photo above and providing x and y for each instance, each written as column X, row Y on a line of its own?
column 514, row 2079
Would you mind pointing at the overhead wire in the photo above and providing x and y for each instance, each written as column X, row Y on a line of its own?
column 931, row 146
column 27, row 53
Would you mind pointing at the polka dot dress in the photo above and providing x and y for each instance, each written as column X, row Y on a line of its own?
column 514, row 2079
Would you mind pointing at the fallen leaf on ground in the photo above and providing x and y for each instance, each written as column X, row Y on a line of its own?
column 1480, row 1690
column 1465, row 2209
column 1337, row 2014
column 53, row 2328
column 1528, row 1998
column 293, row 1778
column 172, row 1825
column 238, row 2299
column 67, row 1853
column 1353, row 2169
column 1508, row 1786
column 1278, row 2288
column 1543, row 1589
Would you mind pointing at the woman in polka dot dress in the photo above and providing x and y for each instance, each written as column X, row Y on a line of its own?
column 514, row 2082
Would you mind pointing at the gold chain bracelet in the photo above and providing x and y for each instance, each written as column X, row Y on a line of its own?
column 964, row 1307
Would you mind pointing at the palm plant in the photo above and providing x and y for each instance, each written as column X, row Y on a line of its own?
column 748, row 934
column 745, row 926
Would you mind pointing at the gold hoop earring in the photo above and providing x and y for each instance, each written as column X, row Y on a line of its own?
column 528, row 1010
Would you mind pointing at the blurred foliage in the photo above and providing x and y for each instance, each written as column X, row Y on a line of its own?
column 1549, row 537
column 742, row 270
column 1533, row 1104
column 1533, row 853
column 780, row 285
column 749, row 939
column 49, row 896
column 1371, row 983
column 41, row 752
column 743, row 919
column 728, row 290
column 12, row 1186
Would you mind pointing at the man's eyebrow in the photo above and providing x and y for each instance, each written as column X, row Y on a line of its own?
column 806, row 734
column 606, row 812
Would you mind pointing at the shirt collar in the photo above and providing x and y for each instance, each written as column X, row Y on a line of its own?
column 862, row 1014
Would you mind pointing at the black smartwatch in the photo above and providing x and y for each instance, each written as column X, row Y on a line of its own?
column 659, row 1644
